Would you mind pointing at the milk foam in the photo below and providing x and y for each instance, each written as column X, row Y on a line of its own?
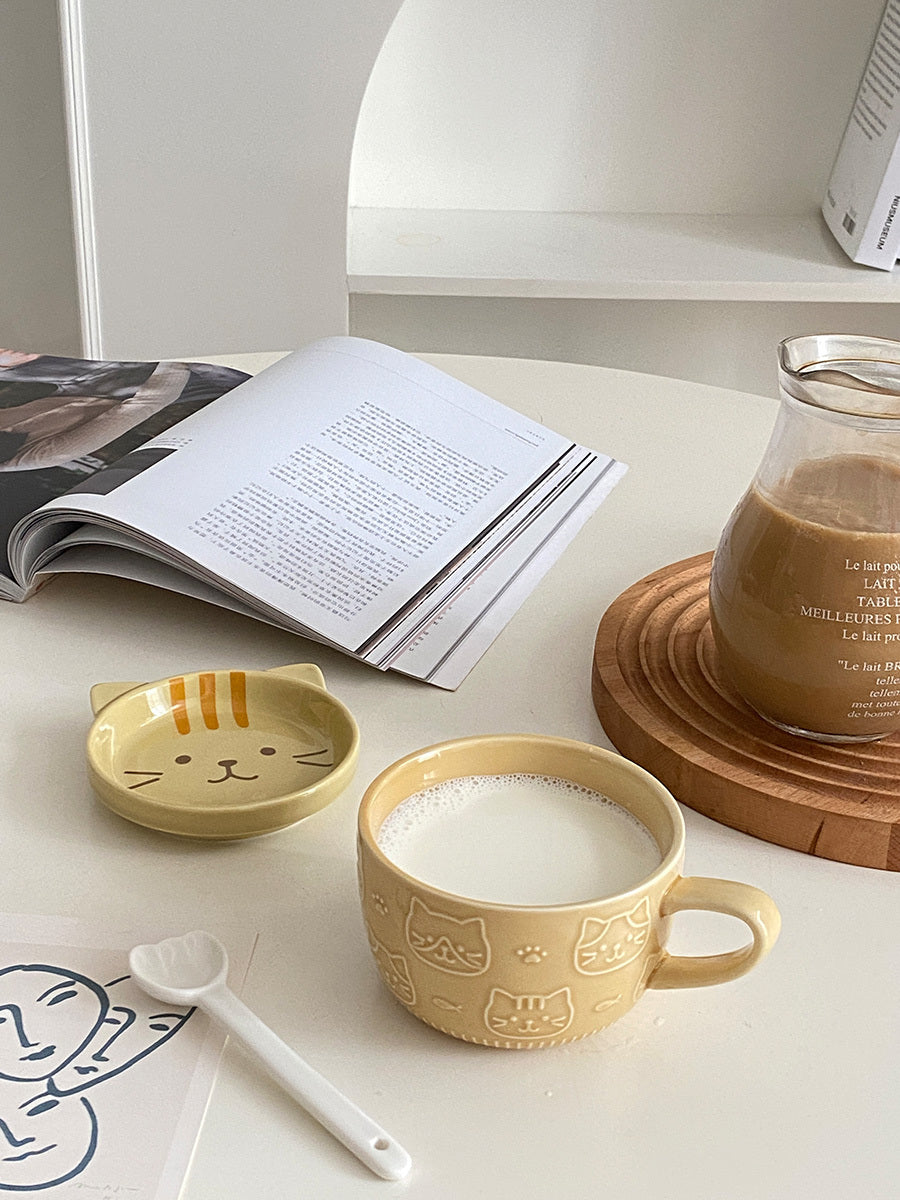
column 519, row 839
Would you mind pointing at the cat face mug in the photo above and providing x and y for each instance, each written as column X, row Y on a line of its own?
column 517, row 890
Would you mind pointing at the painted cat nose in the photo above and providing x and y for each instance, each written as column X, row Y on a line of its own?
column 227, row 762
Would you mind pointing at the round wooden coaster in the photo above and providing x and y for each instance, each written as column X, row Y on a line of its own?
column 659, row 696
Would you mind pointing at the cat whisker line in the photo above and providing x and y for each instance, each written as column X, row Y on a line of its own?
column 155, row 777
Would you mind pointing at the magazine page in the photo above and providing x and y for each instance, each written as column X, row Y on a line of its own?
column 62, row 420
column 332, row 487
column 95, row 550
column 132, row 562
column 445, row 634
column 544, row 499
column 457, row 634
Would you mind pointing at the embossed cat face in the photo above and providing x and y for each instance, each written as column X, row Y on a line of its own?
column 459, row 947
column 212, row 747
column 607, row 945
column 528, row 1017
column 394, row 971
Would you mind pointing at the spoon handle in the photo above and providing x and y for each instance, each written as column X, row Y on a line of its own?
column 331, row 1108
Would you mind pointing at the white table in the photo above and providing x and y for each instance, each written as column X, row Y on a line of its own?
column 779, row 1086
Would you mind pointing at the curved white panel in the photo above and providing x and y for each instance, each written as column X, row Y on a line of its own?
column 211, row 167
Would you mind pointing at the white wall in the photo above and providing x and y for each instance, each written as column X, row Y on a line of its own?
column 730, row 344
column 220, row 136
column 589, row 105
column 38, row 291
column 582, row 105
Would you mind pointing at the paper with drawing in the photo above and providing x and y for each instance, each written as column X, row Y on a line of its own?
column 102, row 1089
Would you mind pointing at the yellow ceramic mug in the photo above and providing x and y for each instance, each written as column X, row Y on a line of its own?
column 527, row 976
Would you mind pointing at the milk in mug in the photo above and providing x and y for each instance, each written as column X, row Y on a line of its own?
column 518, row 839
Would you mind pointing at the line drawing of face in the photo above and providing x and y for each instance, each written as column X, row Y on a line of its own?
column 45, row 1140
column 46, row 1016
column 134, row 1025
column 62, row 1030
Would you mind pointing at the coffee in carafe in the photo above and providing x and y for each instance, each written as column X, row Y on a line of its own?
column 805, row 584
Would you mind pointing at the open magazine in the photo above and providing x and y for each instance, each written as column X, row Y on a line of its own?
column 349, row 493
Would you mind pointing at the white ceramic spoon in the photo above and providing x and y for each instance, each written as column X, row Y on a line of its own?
column 192, row 970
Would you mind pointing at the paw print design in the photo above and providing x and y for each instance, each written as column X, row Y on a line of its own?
column 380, row 903
column 531, row 954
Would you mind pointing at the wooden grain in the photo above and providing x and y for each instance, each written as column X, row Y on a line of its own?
column 658, row 693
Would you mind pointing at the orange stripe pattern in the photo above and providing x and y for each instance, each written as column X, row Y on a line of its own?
column 239, row 698
column 208, row 700
column 207, row 688
column 179, row 704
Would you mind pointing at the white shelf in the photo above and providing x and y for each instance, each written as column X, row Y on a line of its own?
column 602, row 256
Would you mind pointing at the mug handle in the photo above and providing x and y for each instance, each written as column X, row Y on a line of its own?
column 748, row 904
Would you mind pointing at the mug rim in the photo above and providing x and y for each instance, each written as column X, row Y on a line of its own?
column 670, row 862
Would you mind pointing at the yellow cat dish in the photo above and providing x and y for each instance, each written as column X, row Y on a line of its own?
column 221, row 754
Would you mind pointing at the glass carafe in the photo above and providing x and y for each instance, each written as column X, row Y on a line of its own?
column 805, row 584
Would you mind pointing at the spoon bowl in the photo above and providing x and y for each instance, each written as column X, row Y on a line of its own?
column 180, row 969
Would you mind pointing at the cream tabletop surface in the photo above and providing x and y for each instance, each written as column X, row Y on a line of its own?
column 781, row 1085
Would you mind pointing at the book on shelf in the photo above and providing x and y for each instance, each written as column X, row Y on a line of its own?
column 861, row 205
column 349, row 493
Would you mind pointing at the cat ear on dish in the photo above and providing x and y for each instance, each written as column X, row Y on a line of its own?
column 104, row 693
column 304, row 672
